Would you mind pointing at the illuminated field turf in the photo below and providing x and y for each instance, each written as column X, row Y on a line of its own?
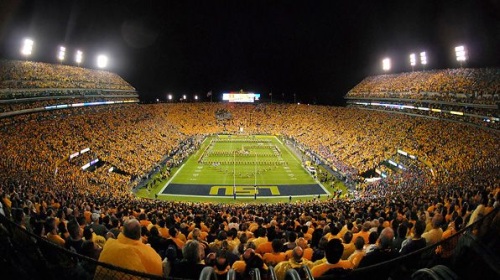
column 226, row 163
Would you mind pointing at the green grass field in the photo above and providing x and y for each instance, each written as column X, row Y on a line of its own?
column 227, row 164
column 263, row 160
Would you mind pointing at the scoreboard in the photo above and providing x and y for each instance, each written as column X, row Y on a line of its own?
column 249, row 97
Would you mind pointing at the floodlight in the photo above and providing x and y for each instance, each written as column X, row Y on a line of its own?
column 386, row 64
column 79, row 57
column 102, row 61
column 170, row 97
column 184, row 97
column 196, row 97
column 413, row 59
column 423, row 58
column 62, row 53
column 27, row 47
column 461, row 53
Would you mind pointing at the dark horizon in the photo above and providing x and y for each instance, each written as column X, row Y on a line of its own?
column 317, row 50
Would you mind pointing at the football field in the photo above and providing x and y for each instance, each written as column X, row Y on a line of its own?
column 242, row 167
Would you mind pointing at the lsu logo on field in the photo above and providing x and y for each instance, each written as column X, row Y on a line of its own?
column 244, row 190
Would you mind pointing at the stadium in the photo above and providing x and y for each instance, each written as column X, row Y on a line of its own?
column 236, row 185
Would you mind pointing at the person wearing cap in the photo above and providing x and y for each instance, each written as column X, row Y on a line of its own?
column 127, row 251
column 334, row 250
column 97, row 227
column 89, row 235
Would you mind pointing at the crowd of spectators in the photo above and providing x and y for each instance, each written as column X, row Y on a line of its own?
column 32, row 75
column 85, row 209
column 467, row 85
column 478, row 116
column 19, row 106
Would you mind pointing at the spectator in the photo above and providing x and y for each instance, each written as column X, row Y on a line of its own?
column 334, row 250
column 129, row 252
column 434, row 235
column 356, row 257
column 384, row 250
column 296, row 262
column 191, row 265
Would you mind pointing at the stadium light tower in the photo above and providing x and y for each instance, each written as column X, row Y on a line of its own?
column 62, row 54
column 413, row 61
column 423, row 59
column 27, row 47
column 78, row 57
column 461, row 54
column 102, row 61
column 386, row 64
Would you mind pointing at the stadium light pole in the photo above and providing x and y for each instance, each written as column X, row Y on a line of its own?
column 102, row 61
column 78, row 57
column 461, row 54
column 423, row 59
column 62, row 54
column 27, row 47
column 413, row 61
column 386, row 64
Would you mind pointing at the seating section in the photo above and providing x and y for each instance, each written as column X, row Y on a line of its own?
column 39, row 75
column 464, row 85
column 45, row 190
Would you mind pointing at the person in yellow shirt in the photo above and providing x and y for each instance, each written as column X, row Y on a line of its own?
column 296, row 262
column 174, row 235
column 52, row 235
column 276, row 256
column 334, row 250
column 349, row 247
column 129, row 252
column 308, row 252
column 266, row 247
column 359, row 253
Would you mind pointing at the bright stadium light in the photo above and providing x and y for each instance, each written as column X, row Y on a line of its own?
column 386, row 64
column 184, row 97
column 169, row 97
column 423, row 58
column 413, row 60
column 62, row 53
column 102, row 61
column 78, row 57
column 196, row 97
column 461, row 54
column 27, row 47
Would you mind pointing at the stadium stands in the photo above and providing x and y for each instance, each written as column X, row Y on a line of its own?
column 28, row 87
column 45, row 193
column 465, row 85
column 464, row 95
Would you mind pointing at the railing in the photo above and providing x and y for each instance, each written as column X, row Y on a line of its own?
column 471, row 253
column 28, row 256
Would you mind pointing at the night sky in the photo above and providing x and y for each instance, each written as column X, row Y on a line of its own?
column 317, row 50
